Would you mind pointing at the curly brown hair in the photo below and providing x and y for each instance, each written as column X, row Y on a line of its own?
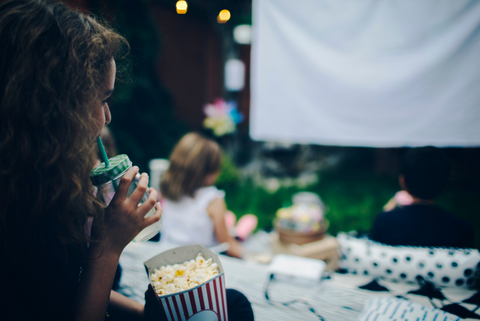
column 192, row 160
column 53, row 66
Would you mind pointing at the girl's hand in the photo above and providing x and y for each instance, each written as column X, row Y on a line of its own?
column 391, row 204
column 235, row 249
column 124, row 219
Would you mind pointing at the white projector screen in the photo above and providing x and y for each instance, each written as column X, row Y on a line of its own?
column 366, row 73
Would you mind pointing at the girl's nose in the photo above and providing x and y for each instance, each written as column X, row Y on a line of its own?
column 108, row 115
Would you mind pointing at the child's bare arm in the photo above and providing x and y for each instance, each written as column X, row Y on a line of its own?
column 217, row 209
column 122, row 308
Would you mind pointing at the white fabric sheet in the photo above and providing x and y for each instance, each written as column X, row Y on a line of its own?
column 366, row 73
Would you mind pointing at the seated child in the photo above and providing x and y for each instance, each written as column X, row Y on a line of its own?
column 417, row 221
column 194, row 211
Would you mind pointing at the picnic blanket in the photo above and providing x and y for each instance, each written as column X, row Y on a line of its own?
column 337, row 297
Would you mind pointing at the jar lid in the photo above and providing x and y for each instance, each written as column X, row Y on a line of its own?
column 118, row 164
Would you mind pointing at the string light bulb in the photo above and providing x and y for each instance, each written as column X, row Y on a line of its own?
column 182, row 6
column 223, row 16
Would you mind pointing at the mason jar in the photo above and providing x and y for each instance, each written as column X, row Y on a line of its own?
column 106, row 181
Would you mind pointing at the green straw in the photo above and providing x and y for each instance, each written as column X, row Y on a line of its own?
column 102, row 151
column 105, row 158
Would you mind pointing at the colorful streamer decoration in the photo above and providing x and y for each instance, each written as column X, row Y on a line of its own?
column 222, row 117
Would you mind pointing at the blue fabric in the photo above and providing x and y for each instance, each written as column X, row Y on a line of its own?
column 422, row 225
column 374, row 286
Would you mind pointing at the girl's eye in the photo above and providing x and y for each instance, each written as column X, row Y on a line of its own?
column 106, row 100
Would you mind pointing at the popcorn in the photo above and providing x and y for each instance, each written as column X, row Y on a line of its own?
column 191, row 265
column 192, row 285
column 200, row 260
column 161, row 292
column 168, row 278
column 180, row 272
column 179, row 277
column 170, row 288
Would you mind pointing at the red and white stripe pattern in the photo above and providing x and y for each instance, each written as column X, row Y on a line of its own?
column 210, row 296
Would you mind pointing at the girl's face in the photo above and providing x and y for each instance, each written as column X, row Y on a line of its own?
column 102, row 114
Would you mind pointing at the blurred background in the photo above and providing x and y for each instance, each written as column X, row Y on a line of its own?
column 322, row 96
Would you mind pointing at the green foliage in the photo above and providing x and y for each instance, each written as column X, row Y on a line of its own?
column 229, row 173
column 353, row 200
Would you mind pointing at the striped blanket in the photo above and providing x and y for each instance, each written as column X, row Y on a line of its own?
column 338, row 297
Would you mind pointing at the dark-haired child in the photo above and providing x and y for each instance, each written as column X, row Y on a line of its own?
column 424, row 175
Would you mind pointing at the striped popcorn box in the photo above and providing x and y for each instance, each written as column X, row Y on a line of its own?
column 205, row 302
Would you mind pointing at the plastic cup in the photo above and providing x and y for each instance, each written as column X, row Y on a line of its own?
column 106, row 180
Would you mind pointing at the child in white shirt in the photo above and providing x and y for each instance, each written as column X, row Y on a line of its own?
column 193, row 210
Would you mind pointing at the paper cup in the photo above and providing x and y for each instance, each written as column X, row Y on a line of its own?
column 205, row 302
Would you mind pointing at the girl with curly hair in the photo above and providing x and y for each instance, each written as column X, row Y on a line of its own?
column 57, row 71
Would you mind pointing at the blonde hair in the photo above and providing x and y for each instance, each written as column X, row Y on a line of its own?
column 192, row 160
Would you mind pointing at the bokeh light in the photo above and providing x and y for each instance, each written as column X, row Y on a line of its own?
column 223, row 16
column 182, row 7
column 243, row 34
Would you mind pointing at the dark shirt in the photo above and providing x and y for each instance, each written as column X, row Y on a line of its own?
column 422, row 225
column 38, row 285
